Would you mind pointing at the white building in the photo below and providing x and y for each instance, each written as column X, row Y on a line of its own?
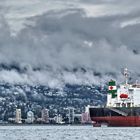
column 87, row 109
column 18, row 116
column 58, row 119
column 30, row 117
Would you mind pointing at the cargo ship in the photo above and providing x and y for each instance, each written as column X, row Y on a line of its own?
column 122, row 107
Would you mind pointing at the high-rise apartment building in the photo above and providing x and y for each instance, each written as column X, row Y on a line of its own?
column 45, row 115
column 18, row 116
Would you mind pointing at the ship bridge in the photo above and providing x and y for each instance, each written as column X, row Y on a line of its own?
column 127, row 95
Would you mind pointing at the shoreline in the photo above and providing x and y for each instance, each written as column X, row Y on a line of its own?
column 45, row 124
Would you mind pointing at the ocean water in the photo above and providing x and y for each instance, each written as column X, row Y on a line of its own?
column 68, row 133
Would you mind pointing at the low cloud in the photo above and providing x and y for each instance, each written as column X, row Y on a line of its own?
column 55, row 50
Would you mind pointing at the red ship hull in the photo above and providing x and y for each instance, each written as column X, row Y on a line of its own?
column 117, row 121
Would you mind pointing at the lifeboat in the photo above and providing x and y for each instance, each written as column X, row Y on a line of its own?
column 124, row 95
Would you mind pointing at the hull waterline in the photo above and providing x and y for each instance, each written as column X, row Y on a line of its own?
column 117, row 121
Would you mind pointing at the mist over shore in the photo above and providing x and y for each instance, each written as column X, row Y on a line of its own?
column 73, row 42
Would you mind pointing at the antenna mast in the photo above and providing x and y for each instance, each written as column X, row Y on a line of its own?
column 126, row 75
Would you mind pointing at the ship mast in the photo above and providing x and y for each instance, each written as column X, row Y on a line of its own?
column 126, row 75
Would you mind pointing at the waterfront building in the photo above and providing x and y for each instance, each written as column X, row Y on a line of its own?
column 18, row 116
column 71, row 114
column 86, row 116
column 87, row 109
column 45, row 115
column 30, row 117
column 58, row 119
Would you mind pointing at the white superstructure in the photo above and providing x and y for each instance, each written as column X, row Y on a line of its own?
column 127, row 95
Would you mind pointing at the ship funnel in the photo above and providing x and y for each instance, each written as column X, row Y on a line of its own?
column 112, row 89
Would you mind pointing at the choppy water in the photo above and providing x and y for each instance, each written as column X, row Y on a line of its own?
column 68, row 133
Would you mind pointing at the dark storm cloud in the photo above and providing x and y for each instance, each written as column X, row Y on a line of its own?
column 58, row 42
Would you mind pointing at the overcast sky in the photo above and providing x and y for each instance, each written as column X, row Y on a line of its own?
column 50, row 38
